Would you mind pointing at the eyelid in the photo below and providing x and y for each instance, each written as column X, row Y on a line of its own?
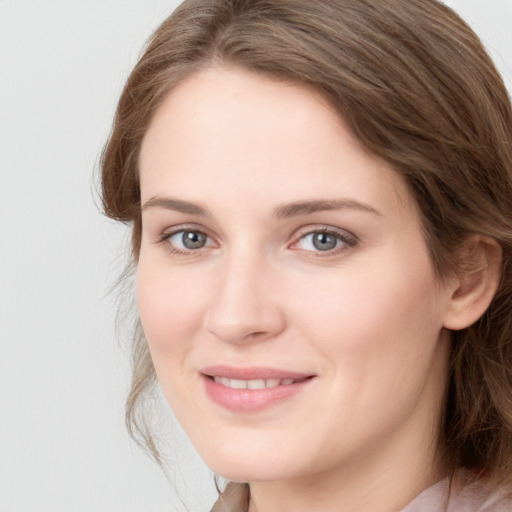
column 166, row 234
column 349, row 239
column 186, row 226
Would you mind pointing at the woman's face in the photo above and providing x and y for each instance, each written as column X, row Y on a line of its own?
column 285, row 288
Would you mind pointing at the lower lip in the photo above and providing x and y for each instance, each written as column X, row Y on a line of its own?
column 251, row 400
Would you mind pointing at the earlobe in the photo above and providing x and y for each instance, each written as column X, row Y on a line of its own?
column 473, row 290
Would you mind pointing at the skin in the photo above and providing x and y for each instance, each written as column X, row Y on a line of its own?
column 367, row 318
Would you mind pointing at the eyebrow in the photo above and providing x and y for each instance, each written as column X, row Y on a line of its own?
column 313, row 206
column 169, row 203
column 280, row 212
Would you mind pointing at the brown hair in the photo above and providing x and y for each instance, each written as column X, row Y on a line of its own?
column 415, row 85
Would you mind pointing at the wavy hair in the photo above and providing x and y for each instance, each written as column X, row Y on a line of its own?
column 416, row 87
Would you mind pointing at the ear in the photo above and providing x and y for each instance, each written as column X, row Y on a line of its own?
column 473, row 289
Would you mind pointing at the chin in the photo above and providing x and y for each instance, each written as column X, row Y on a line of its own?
column 248, row 472
column 241, row 465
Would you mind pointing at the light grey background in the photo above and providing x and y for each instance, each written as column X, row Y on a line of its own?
column 63, row 378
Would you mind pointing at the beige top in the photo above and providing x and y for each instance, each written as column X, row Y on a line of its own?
column 464, row 495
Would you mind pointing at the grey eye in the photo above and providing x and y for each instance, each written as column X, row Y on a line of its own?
column 321, row 241
column 193, row 239
column 188, row 240
column 324, row 241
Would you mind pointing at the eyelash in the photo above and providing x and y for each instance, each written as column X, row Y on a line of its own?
column 165, row 237
column 347, row 240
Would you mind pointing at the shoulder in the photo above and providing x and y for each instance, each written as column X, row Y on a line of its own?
column 462, row 493
column 476, row 496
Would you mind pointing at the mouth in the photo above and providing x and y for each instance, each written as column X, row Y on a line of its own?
column 244, row 390
column 255, row 383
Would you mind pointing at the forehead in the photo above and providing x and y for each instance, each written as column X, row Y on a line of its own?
column 229, row 130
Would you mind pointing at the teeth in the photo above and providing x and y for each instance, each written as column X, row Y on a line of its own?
column 238, row 384
column 256, row 384
column 253, row 384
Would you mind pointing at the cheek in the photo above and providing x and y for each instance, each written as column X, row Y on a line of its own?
column 378, row 315
column 170, row 307
column 378, row 332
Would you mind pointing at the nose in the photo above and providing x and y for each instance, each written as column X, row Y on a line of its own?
column 244, row 307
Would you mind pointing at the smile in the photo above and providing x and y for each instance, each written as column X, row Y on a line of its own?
column 250, row 390
column 255, row 383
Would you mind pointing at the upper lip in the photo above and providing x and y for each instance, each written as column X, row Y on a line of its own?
column 252, row 373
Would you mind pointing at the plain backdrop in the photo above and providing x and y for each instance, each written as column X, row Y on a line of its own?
column 63, row 376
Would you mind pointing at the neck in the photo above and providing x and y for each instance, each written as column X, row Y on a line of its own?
column 357, row 490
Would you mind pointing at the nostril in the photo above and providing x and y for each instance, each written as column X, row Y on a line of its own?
column 257, row 334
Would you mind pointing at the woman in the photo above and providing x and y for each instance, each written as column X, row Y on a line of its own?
column 321, row 202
